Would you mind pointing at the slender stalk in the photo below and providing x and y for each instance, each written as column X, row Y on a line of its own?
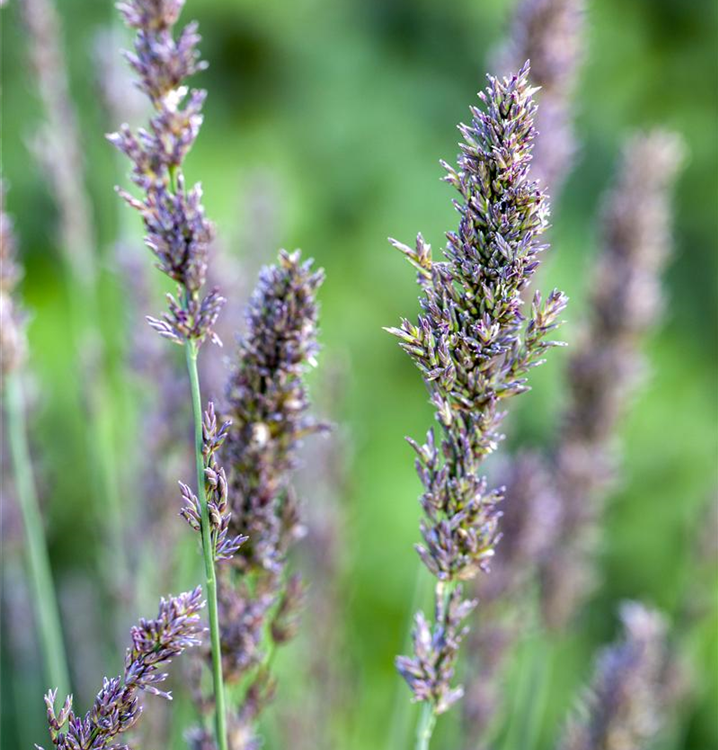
column 425, row 729
column 534, row 698
column 207, row 553
column 86, row 340
column 48, row 616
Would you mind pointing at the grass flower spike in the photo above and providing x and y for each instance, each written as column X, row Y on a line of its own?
column 607, row 363
column 117, row 707
column 551, row 34
column 268, row 406
column 13, row 345
column 178, row 234
column 625, row 701
column 474, row 347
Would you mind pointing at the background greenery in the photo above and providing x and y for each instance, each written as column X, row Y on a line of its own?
column 339, row 112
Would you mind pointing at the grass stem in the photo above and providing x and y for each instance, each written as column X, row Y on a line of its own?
column 208, row 554
column 40, row 574
column 425, row 730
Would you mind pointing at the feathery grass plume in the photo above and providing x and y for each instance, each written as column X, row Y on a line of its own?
column 117, row 706
column 607, row 365
column 223, row 546
column 268, row 405
column 550, row 33
column 625, row 704
column 13, row 350
column 178, row 234
column 474, row 347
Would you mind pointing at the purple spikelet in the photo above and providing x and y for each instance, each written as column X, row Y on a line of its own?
column 216, row 490
column 268, row 404
column 268, row 417
column 607, row 364
column 177, row 230
column 117, row 706
column 625, row 703
column 550, row 33
column 474, row 348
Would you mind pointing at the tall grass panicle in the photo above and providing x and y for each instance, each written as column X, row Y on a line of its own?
column 607, row 364
column 178, row 234
column 551, row 34
column 624, row 707
column 474, row 347
column 117, row 706
column 268, row 406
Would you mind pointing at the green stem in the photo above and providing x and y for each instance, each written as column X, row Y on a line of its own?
column 207, row 553
column 45, row 601
column 534, row 711
column 425, row 730
column 84, row 312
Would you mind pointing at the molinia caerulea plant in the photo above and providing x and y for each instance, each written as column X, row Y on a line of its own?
column 474, row 347
column 268, row 404
column 178, row 234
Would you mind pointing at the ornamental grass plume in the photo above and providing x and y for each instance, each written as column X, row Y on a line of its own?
column 178, row 234
column 474, row 347
column 607, row 365
column 625, row 706
column 268, row 406
column 550, row 33
column 117, row 707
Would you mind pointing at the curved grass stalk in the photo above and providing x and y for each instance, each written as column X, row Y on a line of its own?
column 40, row 574
column 220, row 712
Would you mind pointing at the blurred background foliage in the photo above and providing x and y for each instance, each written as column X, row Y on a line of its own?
column 333, row 115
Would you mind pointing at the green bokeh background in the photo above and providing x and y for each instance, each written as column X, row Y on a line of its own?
column 344, row 108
